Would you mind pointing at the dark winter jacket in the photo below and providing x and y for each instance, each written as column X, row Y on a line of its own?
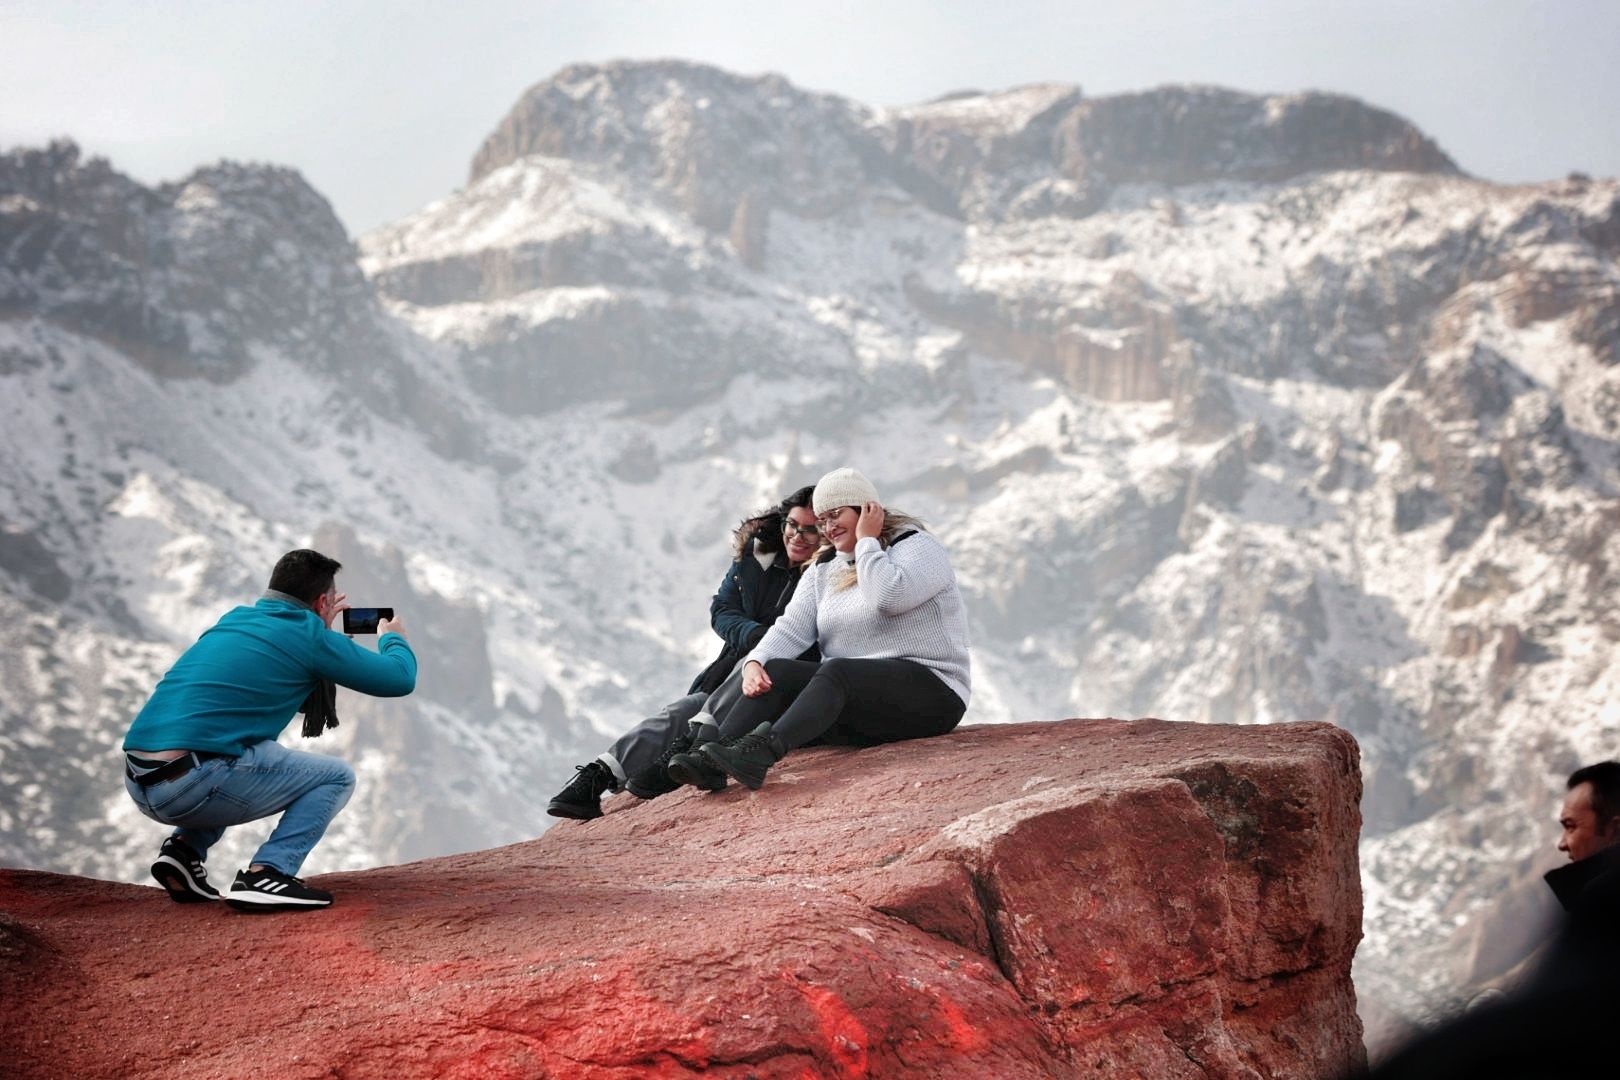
column 1589, row 889
column 1557, row 1023
column 750, row 599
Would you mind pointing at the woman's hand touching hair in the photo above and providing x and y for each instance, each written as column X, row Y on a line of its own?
column 871, row 522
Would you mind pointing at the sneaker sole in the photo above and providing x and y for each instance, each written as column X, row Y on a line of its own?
column 178, row 884
column 575, row 811
column 258, row 903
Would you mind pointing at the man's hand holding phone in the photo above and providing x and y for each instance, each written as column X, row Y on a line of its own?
column 392, row 625
column 330, row 606
column 370, row 620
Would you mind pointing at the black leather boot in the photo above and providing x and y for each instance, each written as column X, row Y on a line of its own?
column 655, row 780
column 692, row 767
column 748, row 758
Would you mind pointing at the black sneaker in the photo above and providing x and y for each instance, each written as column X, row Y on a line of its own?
column 747, row 759
column 271, row 890
column 179, row 869
column 582, row 798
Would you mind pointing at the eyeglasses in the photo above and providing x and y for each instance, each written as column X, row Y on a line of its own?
column 826, row 520
column 789, row 526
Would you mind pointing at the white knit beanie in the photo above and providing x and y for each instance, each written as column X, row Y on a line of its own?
column 842, row 487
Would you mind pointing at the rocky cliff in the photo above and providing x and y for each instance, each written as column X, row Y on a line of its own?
column 713, row 139
column 1082, row 898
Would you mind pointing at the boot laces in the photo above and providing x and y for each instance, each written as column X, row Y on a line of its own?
column 589, row 777
column 682, row 745
column 749, row 743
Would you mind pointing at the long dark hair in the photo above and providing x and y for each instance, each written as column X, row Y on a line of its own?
column 765, row 527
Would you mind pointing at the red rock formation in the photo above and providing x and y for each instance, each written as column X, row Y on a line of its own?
column 1085, row 898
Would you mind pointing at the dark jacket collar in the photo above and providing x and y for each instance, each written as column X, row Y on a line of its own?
column 1570, row 880
column 751, row 551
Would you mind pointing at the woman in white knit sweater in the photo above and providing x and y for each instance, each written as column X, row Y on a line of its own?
column 887, row 616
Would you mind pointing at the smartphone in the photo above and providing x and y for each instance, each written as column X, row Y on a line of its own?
column 363, row 620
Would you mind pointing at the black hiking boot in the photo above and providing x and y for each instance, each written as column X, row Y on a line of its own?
column 582, row 798
column 691, row 767
column 748, row 758
column 654, row 780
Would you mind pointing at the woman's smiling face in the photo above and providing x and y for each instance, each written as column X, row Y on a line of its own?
column 838, row 526
column 800, row 536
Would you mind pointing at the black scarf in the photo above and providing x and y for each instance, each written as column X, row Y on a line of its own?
column 320, row 707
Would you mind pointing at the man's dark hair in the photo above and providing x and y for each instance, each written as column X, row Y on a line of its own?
column 765, row 527
column 1605, row 780
column 305, row 574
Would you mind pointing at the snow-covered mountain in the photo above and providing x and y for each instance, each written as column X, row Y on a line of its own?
column 1229, row 408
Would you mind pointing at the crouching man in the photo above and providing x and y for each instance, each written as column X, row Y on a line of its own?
column 202, row 754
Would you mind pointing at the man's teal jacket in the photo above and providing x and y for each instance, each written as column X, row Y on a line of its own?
column 245, row 677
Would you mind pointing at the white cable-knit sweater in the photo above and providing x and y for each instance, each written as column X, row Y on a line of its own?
column 904, row 606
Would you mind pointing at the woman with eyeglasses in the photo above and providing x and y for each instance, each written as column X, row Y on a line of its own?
column 769, row 551
column 885, row 612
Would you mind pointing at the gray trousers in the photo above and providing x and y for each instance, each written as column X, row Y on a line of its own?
column 646, row 742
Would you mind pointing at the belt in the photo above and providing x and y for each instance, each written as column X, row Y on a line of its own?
column 172, row 769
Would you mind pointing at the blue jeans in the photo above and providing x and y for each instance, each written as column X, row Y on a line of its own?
column 266, row 780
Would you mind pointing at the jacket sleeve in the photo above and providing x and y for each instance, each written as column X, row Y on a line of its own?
column 388, row 672
column 726, row 612
column 903, row 577
column 795, row 631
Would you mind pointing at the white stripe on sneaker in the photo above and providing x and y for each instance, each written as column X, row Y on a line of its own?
column 185, row 875
column 270, row 891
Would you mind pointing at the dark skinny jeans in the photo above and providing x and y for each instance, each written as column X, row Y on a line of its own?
column 861, row 702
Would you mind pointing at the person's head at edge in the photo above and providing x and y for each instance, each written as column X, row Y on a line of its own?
column 789, row 526
column 1590, row 818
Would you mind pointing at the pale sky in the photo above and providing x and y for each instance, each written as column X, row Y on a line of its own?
column 381, row 103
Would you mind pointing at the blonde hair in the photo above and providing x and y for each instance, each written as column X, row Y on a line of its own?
column 895, row 524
